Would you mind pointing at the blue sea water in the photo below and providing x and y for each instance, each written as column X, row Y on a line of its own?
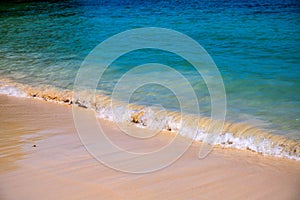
column 255, row 44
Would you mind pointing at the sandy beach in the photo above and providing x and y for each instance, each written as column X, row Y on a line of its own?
column 149, row 100
column 42, row 158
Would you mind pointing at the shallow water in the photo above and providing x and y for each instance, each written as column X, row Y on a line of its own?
column 254, row 44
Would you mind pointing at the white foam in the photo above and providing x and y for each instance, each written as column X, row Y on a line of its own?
column 228, row 140
column 264, row 146
column 12, row 91
column 153, row 121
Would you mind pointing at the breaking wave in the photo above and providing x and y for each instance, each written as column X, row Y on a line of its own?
column 234, row 135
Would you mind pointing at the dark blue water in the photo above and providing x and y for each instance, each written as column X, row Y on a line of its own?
column 255, row 45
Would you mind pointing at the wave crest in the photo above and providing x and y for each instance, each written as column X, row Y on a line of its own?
column 234, row 135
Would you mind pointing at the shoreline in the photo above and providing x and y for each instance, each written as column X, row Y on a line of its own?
column 234, row 135
column 60, row 167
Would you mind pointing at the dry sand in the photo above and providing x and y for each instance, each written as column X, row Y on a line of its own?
column 59, row 167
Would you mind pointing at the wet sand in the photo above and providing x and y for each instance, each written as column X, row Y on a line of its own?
column 41, row 157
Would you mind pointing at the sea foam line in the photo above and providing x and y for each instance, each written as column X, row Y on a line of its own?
column 234, row 135
column 12, row 91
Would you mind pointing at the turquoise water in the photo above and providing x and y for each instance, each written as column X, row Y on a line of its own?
column 255, row 45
